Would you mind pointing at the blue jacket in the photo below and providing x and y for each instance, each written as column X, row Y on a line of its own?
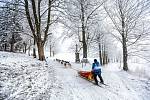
column 96, row 68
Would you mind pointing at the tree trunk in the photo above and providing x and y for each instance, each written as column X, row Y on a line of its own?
column 124, row 36
column 5, row 47
column 84, row 50
column 103, row 58
column 29, row 51
column 29, row 47
column 34, row 51
column 83, row 31
column 12, row 43
column 125, row 64
column 25, row 48
column 100, row 54
column 40, row 51
column 106, row 58
column 11, row 47
column 77, row 58
column 53, row 53
column 103, row 55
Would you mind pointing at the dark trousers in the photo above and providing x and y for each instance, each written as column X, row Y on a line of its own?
column 100, row 77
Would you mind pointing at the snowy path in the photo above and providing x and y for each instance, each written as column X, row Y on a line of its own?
column 72, row 87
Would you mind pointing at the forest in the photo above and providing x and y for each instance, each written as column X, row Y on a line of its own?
column 115, row 32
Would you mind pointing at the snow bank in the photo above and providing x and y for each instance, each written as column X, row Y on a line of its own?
column 24, row 78
column 138, row 69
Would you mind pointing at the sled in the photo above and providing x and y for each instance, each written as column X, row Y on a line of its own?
column 86, row 74
column 89, row 76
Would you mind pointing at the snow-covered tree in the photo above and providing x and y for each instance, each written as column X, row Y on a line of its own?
column 81, row 15
column 126, row 17
column 10, row 25
column 39, row 16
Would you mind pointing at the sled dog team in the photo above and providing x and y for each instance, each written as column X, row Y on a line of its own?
column 96, row 69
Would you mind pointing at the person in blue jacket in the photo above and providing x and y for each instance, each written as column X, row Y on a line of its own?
column 96, row 70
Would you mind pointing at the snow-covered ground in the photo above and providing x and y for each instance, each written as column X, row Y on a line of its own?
column 25, row 78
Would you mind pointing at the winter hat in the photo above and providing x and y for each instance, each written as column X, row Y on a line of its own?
column 95, row 60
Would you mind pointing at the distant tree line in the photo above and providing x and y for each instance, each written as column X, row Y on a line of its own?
column 94, row 24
